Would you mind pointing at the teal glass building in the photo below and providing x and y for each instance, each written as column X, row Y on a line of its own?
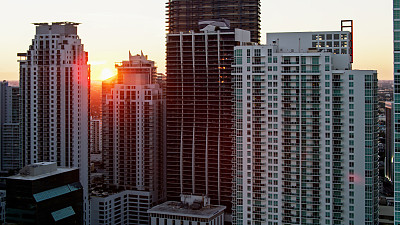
column 396, row 44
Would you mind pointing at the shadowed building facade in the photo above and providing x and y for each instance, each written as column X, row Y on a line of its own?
column 10, row 147
column 199, row 114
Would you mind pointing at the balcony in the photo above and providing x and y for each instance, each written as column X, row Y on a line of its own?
column 290, row 71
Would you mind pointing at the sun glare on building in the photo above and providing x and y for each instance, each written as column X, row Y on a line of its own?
column 106, row 73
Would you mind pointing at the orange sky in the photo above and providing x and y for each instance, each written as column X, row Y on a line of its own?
column 110, row 29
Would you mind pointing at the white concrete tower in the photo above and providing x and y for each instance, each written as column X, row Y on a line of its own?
column 133, row 141
column 55, row 88
column 306, row 132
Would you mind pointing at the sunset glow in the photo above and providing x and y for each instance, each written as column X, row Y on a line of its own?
column 106, row 73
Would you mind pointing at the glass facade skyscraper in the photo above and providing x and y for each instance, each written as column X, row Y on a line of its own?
column 396, row 96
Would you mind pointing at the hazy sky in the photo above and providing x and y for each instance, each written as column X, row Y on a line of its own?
column 110, row 29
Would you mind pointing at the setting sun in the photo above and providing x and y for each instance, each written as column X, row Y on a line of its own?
column 106, row 73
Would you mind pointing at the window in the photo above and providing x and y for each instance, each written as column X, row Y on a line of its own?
column 238, row 52
column 397, row 55
column 396, row 13
column 238, row 60
column 327, row 59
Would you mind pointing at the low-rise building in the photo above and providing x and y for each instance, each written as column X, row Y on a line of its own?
column 125, row 207
column 44, row 194
column 191, row 210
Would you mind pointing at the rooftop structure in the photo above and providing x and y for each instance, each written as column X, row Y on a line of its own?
column 185, row 15
column 189, row 209
column 138, row 70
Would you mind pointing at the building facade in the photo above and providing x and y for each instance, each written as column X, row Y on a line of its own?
column 184, row 16
column 125, row 207
column 199, row 113
column 54, row 88
column 95, row 140
column 389, row 141
column 134, row 131
column 306, row 133
column 396, row 98
column 2, row 206
column 10, row 148
column 44, row 194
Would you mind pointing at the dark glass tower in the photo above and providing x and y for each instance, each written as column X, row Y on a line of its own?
column 184, row 15
column 199, row 114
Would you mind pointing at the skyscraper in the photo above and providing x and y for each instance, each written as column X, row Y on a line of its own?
column 54, row 87
column 133, row 139
column 10, row 148
column 185, row 15
column 306, row 132
column 396, row 104
column 199, row 113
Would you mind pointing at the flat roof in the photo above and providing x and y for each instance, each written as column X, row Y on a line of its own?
column 56, row 23
column 311, row 32
column 37, row 177
column 386, row 210
column 176, row 209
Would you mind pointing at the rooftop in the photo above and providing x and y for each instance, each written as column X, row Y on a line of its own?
column 57, row 23
column 179, row 209
column 40, row 170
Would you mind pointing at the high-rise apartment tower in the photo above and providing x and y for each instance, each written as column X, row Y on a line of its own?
column 306, row 132
column 199, row 113
column 10, row 148
column 133, row 140
column 54, row 88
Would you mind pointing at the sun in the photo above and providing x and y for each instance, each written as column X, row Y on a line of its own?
column 106, row 73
